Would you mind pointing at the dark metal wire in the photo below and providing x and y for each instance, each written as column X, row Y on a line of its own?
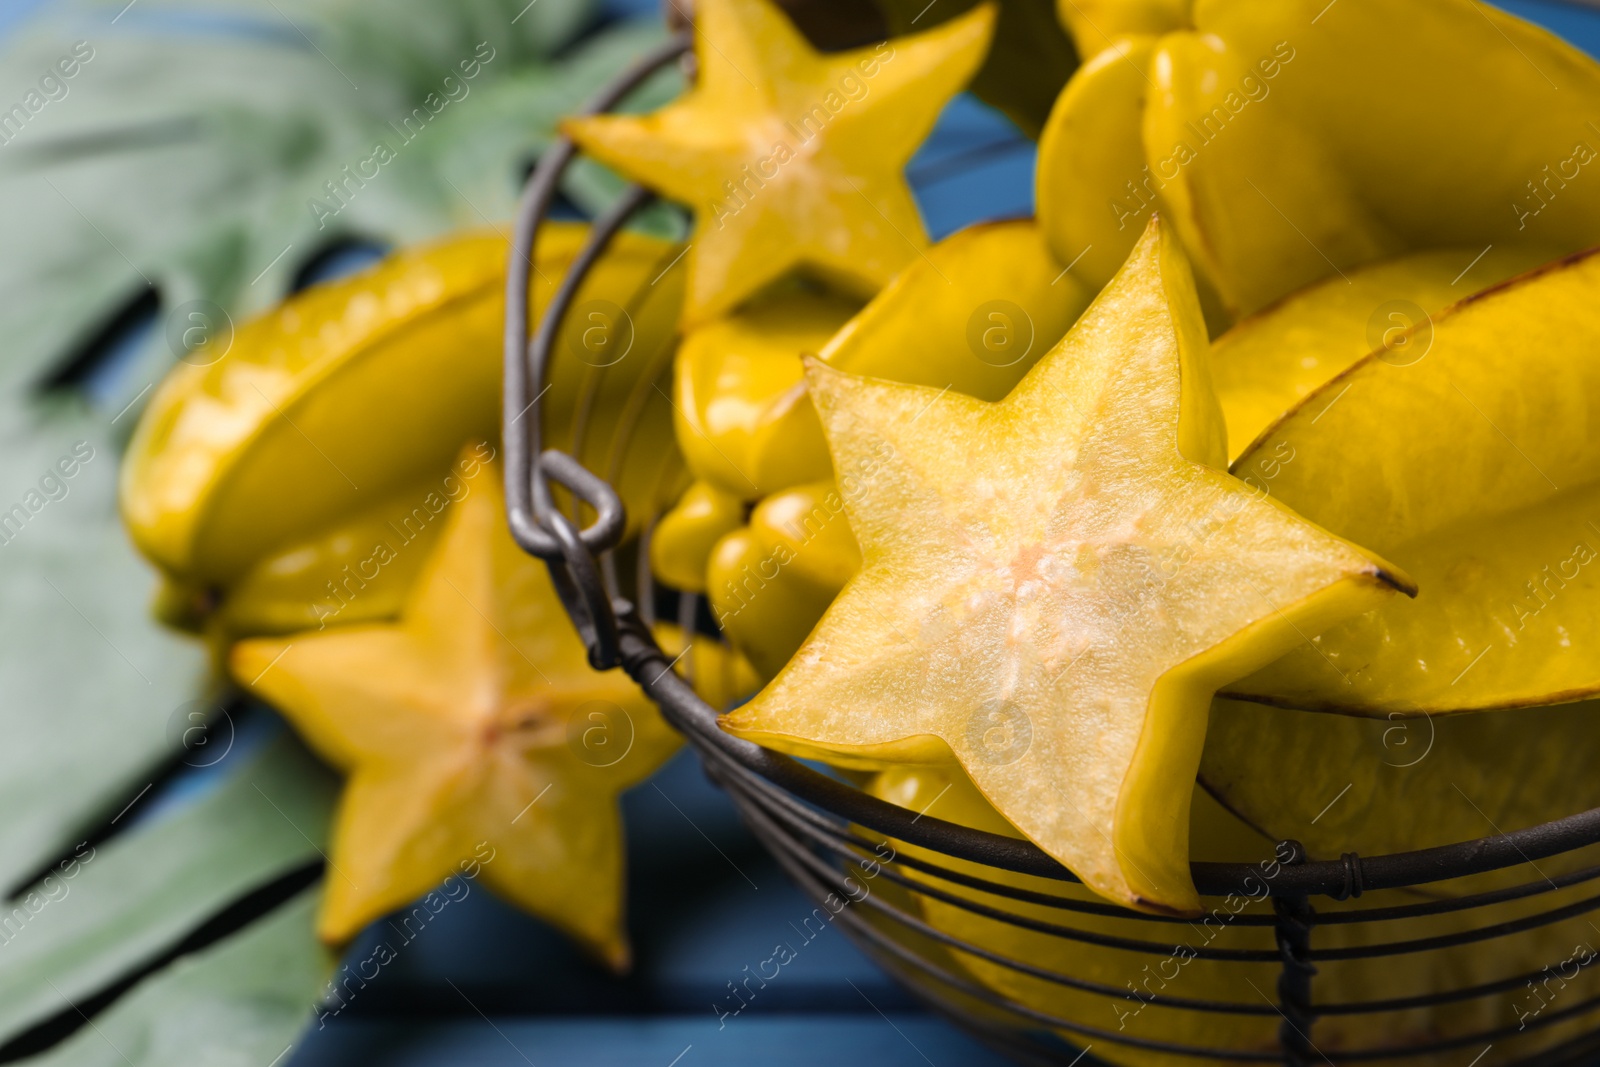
column 815, row 825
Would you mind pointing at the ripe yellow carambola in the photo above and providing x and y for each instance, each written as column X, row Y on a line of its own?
column 278, row 477
column 1290, row 142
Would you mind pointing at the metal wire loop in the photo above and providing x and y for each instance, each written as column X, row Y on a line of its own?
column 583, row 594
column 529, row 505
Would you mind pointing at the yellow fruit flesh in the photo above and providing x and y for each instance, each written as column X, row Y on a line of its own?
column 791, row 158
column 1051, row 579
column 473, row 723
column 971, row 317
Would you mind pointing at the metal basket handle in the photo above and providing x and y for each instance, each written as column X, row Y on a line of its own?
column 536, row 524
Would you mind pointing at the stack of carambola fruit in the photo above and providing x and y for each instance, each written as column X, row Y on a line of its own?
column 1047, row 487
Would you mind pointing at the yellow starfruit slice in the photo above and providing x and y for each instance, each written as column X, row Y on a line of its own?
column 681, row 545
column 770, row 581
column 1054, row 585
column 1268, row 133
column 353, row 392
column 1466, row 457
column 472, row 730
column 1269, row 362
column 742, row 416
column 789, row 157
column 972, row 316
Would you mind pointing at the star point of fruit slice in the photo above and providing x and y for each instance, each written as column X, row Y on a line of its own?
column 1053, row 586
column 790, row 157
column 471, row 726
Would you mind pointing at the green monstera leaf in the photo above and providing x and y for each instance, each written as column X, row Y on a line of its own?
column 185, row 161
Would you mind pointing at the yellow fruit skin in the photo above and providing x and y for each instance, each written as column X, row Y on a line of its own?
column 1135, row 977
column 353, row 394
column 1335, row 782
column 972, row 316
column 719, row 674
column 1269, row 362
column 742, row 416
column 1272, row 148
column 1102, row 106
column 681, row 545
column 1468, row 459
column 770, row 581
column 360, row 570
column 1096, row 25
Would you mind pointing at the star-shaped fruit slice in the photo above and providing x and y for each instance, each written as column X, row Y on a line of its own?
column 1053, row 586
column 471, row 727
column 790, row 157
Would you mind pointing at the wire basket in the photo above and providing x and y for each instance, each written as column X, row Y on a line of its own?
column 1407, row 952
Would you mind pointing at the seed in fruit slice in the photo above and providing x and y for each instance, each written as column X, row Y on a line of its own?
column 1054, row 585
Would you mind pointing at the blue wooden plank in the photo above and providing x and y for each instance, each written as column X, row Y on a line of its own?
column 890, row 1040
